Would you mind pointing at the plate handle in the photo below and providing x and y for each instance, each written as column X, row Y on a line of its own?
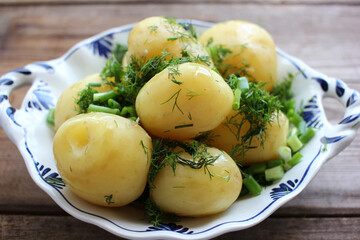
column 8, row 120
column 338, row 136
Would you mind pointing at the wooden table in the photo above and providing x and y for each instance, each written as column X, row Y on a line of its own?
column 323, row 33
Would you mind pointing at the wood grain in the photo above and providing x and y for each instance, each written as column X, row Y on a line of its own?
column 59, row 227
column 325, row 34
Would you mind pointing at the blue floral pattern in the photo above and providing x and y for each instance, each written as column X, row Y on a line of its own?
column 41, row 98
column 283, row 189
column 312, row 113
column 52, row 178
column 102, row 46
column 323, row 83
column 171, row 227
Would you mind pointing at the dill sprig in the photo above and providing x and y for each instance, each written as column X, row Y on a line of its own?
column 283, row 91
column 257, row 108
column 219, row 53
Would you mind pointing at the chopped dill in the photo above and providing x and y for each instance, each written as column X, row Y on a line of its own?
column 219, row 53
column 108, row 199
column 184, row 126
column 175, row 96
column 153, row 28
column 192, row 94
column 257, row 108
column 283, row 91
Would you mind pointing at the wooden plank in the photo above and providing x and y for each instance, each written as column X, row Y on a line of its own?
column 66, row 227
column 308, row 2
column 44, row 32
column 328, row 41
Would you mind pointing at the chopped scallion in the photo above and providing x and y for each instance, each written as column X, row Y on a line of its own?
column 113, row 104
column 102, row 97
column 51, row 116
column 274, row 173
column 252, row 185
column 307, row 135
column 294, row 142
column 284, row 153
column 257, row 168
column 97, row 108
column 237, row 96
column 274, row 163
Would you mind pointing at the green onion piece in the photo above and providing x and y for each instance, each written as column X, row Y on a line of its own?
column 50, row 118
column 94, row 84
column 274, row 163
column 128, row 110
column 132, row 118
column 301, row 127
column 243, row 83
column 294, row 143
column 285, row 153
column 307, row 135
column 256, row 168
column 172, row 38
column 97, row 108
column 215, row 70
column 102, row 97
column 294, row 117
column 252, row 185
column 295, row 159
column 290, row 104
column 274, row 173
column 237, row 96
column 113, row 104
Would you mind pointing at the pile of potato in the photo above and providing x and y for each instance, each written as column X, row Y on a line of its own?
column 105, row 159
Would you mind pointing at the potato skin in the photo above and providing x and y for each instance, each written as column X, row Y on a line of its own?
column 182, row 111
column 191, row 192
column 154, row 35
column 276, row 137
column 66, row 107
column 253, row 49
column 101, row 158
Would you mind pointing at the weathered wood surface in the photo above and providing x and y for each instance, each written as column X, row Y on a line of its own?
column 13, row 227
column 325, row 35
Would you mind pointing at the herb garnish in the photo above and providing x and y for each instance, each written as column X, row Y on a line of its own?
column 257, row 109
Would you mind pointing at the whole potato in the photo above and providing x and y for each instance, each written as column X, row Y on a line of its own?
column 155, row 35
column 193, row 192
column 253, row 51
column 276, row 136
column 197, row 101
column 66, row 106
column 103, row 158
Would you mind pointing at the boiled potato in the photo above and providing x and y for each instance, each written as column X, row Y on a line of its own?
column 155, row 35
column 193, row 192
column 253, row 51
column 198, row 102
column 66, row 106
column 276, row 136
column 103, row 158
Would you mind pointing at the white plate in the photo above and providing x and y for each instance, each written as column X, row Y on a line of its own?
column 27, row 128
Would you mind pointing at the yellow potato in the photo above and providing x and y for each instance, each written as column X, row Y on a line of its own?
column 103, row 158
column 192, row 192
column 253, row 51
column 276, row 136
column 152, row 36
column 199, row 102
column 66, row 107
